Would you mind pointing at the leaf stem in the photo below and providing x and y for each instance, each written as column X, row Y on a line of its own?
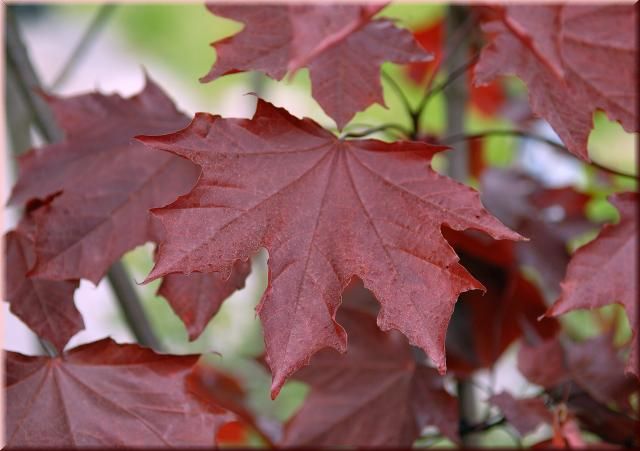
column 379, row 128
column 88, row 38
column 429, row 94
column 399, row 92
column 45, row 122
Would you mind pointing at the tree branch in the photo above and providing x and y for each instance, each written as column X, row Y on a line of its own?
column 91, row 33
column 28, row 81
column 45, row 122
column 131, row 306
column 527, row 135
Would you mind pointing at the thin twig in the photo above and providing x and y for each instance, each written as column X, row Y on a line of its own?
column 45, row 122
column 88, row 38
column 379, row 128
column 527, row 135
column 399, row 92
column 453, row 76
column 48, row 347
column 457, row 41
column 466, row 429
column 131, row 306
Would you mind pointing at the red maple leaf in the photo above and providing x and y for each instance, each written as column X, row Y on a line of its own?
column 326, row 210
column 339, row 43
column 589, row 378
column 575, row 59
column 524, row 414
column 46, row 306
column 485, row 324
column 604, row 271
column 431, row 37
column 196, row 298
column 374, row 395
column 593, row 365
column 106, row 394
column 103, row 183
column 549, row 217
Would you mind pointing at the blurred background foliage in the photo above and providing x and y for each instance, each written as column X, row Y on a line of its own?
column 172, row 42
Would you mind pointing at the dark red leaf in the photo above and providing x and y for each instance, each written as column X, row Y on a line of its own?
column 339, row 43
column 543, row 363
column 431, row 38
column 218, row 388
column 46, row 306
column 593, row 365
column 524, row 414
column 611, row 425
column 326, row 210
column 549, row 217
column 196, row 298
column 485, row 324
column 107, row 181
column 575, row 59
column 597, row 368
column 486, row 99
column 105, row 394
column 604, row 271
column 374, row 395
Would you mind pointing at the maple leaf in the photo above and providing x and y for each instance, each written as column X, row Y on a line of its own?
column 105, row 394
column 574, row 59
column 604, row 271
column 196, row 298
column 543, row 363
column 46, row 306
column 326, row 210
column 611, row 425
column 589, row 378
column 524, row 414
column 431, row 37
column 374, row 395
column 339, row 43
column 105, row 182
column 485, row 324
column 594, row 365
column 549, row 217
column 221, row 389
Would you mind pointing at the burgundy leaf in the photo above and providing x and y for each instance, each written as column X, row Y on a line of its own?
column 575, row 59
column 604, row 271
column 326, row 210
column 107, row 181
column 46, row 306
column 485, row 324
column 339, row 43
column 105, row 395
column 524, row 414
column 374, row 395
column 549, row 217
column 196, row 298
